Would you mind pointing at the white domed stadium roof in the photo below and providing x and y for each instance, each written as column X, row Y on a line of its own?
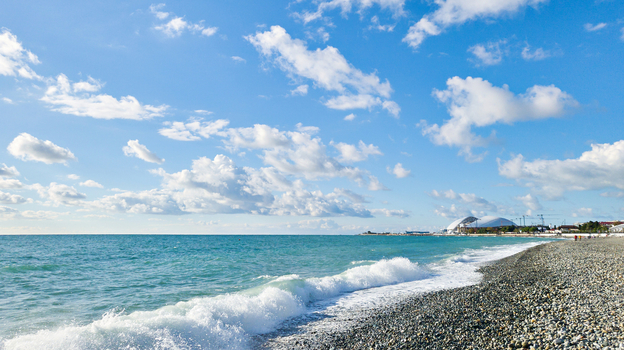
column 461, row 222
column 492, row 221
column 472, row 222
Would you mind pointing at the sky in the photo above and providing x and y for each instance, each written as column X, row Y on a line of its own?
column 308, row 116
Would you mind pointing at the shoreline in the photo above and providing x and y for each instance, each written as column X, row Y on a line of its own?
column 558, row 295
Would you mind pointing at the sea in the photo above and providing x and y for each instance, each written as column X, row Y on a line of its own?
column 215, row 292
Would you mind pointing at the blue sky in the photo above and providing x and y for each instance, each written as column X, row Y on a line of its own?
column 308, row 116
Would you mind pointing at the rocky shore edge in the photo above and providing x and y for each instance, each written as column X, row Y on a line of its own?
column 560, row 295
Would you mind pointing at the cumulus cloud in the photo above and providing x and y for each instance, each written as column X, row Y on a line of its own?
column 7, row 198
column 536, row 55
column 299, row 153
column 593, row 28
column 467, row 198
column 399, row 171
column 219, row 186
column 488, row 54
column 596, row 169
column 60, row 194
column 346, row 6
column 375, row 25
column 476, row 102
column 14, row 59
column 134, row 148
column 27, row 147
column 73, row 177
column 350, row 117
column 10, row 183
column 177, row 25
column 391, row 213
column 193, row 130
column 7, row 213
column 296, row 153
column 583, row 212
column 77, row 99
column 8, row 171
column 530, row 201
column 457, row 12
column 351, row 153
column 327, row 68
column 454, row 212
column 91, row 183
column 300, row 90
column 239, row 59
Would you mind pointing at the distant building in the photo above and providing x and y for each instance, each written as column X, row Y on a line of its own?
column 617, row 229
column 468, row 222
column 569, row 228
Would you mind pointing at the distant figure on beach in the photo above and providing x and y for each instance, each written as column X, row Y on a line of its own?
column 575, row 237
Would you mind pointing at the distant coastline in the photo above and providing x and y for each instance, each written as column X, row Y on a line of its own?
column 506, row 234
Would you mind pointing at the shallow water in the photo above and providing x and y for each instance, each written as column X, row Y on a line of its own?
column 189, row 292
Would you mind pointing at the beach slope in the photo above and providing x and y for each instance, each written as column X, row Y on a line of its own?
column 565, row 294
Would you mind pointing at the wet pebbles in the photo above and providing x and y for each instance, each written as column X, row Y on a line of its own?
column 561, row 295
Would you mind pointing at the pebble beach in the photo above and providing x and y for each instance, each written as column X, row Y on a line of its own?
column 559, row 295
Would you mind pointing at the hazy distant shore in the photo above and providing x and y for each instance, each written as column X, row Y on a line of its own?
column 565, row 294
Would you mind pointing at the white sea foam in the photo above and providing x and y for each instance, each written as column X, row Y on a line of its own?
column 222, row 322
column 228, row 321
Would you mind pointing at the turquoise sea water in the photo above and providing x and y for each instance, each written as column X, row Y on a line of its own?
column 202, row 292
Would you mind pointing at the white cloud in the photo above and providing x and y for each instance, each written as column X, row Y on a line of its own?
column 530, row 201
column 219, row 186
column 177, row 25
column 583, row 212
column 10, row 183
column 14, row 59
column 8, row 100
column 301, row 90
column 327, row 68
column 259, row 136
column 297, row 153
column 8, row 172
column 350, row 117
column 91, row 183
column 60, row 194
column 616, row 194
column 622, row 37
column 73, row 177
column 399, row 171
column 599, row 168
column 75, row 99
column 592, row 28
column 294, row 153
column 378, row 26
column 488, row 54
column 467, row 198
column 537, row 55
column 453, row 212
column 193, row 130
column 7, row 213
column 346, row 6
column 476, row 102
column 239, row 59
column 351, row 153
column 203, row 111
column 457, row 12
column 134, row 148
column 155, row 9
column 7, row 198
column 27, row 147
column 391, row 213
